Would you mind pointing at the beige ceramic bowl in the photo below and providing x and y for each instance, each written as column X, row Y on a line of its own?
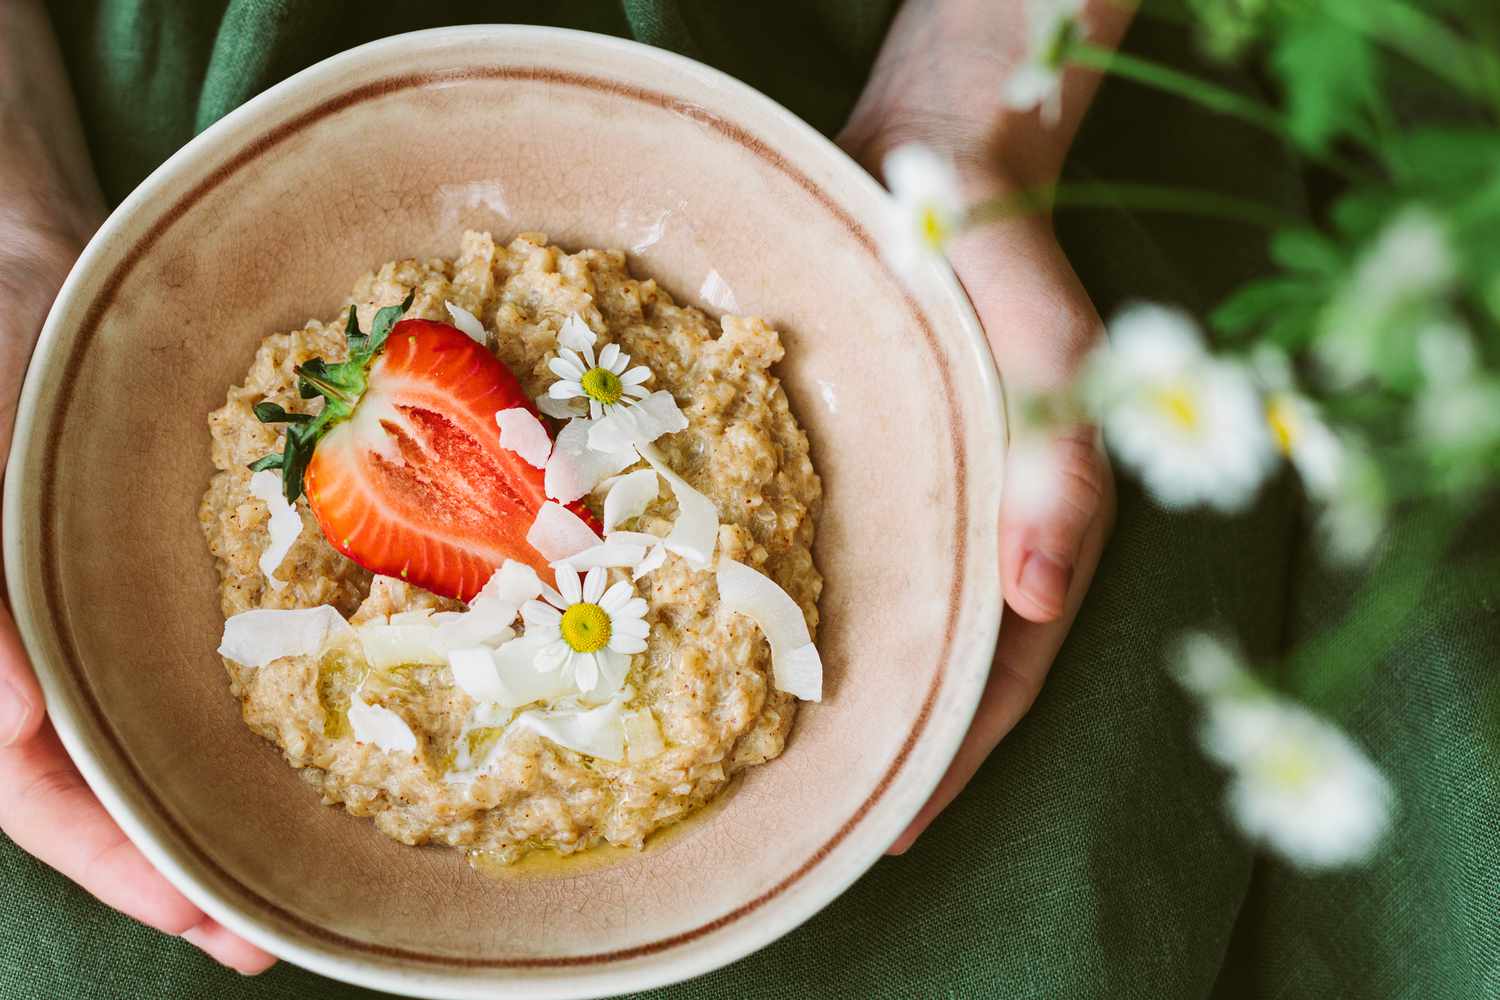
column 390, row 150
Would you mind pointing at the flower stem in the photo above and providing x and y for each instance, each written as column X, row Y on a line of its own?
column 1144, row 197
column 1202, row 92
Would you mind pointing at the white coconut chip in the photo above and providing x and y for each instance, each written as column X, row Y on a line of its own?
column 559, row 409
column 522, row 433
column 380, row 726
column 575, row 334
column 597, row 732
column 285, row 525
column 629, row 497
column 637, row 423
column 642, row 735
column 500, row 599
column 511, row 678
column 653, row 561
column 575, row 469
column 255, row 638
column 388, row 645
column 467, row 322
column 696, row 530
column 558, row 533
column 606, row 554
column 795, row 663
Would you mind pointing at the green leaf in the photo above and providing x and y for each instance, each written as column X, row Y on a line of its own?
column 1446, row 160
column 268, row 412
column 1306, row 250
column 309, row 373
column 1329, row 75
column 384, row 320
column 267, row 462
column 1259, row 301
column 358, row 342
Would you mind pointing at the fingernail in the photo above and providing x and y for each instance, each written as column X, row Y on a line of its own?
column 15, row 713
column 1044, row 580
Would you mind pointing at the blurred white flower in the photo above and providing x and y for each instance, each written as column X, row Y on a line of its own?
column 1032, row 477
column 1352, row 520
column 929, row 203
column 1463, row 414
column 1409, row 262
column 1192, row 426
column 1298, row 785
column 1051, row 27
column 1296, row 426
column 1445, row 352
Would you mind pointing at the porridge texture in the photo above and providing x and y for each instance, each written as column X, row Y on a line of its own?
column 706, row 672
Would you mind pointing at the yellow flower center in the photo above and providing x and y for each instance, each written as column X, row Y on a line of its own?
column 1289, row 765
column 585, row 628
column 1179, row 405
column 1283, row 421
column 930, row 224
column 602, row 385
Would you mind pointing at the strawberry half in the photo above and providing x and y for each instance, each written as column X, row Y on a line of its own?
column 403, row 466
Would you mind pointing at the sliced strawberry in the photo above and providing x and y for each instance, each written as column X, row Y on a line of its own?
column 412, row 481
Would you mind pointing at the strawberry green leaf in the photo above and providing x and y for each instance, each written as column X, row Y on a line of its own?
column 268, row 412
column 267, row 462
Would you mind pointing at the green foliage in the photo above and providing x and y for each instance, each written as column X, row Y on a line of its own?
column 1329, row 75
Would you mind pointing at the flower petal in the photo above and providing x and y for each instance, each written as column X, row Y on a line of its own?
column 616, row 597
column 608, row 355
column 593, row 585
column 622, row 643
column 569, row 585
column 576, row 335
column 539, row 615
column 638, row 423
column 636, row 375
column 565, row 367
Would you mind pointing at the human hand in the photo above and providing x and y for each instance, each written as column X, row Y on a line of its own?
column 938, row 82
column 49, row 206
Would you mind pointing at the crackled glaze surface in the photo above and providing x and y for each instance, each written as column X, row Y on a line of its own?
column 383, row 153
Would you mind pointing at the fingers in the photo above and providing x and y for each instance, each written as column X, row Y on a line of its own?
column 1056, row 489
column 1023, row 655
column 228, row 949
column 48, row 810
column 21, row 706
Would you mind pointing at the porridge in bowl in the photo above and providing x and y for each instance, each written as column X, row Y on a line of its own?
column 517, row 555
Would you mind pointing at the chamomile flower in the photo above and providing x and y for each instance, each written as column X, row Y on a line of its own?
column 1298, row 784
column 929, row 204
column 587, row 630
column 1192, row 426
column 606, row 382
column 1052, row 27
column 1297, row 428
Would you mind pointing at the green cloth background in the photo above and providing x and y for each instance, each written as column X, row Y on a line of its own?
column 1090, row 857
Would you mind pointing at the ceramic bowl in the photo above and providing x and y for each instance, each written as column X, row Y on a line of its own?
column 391, row 150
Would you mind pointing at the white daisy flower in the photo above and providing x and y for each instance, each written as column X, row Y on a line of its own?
column 1352, row 521
column 929, row 205
column 587, row 630
column 1298, row 784
column 1409, row 263
column 1192, row 426
column 1296, row 426
column 1052, row 26
column 606, row 382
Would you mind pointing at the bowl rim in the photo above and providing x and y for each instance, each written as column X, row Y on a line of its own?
column 676, row 958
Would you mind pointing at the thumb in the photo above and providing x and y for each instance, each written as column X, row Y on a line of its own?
column 1056, row 488
column 21, row 706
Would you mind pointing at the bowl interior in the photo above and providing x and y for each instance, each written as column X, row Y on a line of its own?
column 267, row 221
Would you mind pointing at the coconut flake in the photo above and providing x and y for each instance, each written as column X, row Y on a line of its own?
column 575, row 334
column 515, row 680
column 467, row 322
column 255, row 638
column 696, row 529
column 389, row 645
column 558, row 533
column 559, row 409
column 606, row 554
column 285, row 525
column 575, row 469
column 653, row 561
column 795, row 663
column 637, row 423
column 629, row 497
column 380, row 726
column 597, row 732
column 501, row 597
column 522, row 433
column 642, row 735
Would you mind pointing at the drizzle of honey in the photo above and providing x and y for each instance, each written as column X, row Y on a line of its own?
column 549, row 863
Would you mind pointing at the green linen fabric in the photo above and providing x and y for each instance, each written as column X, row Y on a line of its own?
column 1090, row 856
